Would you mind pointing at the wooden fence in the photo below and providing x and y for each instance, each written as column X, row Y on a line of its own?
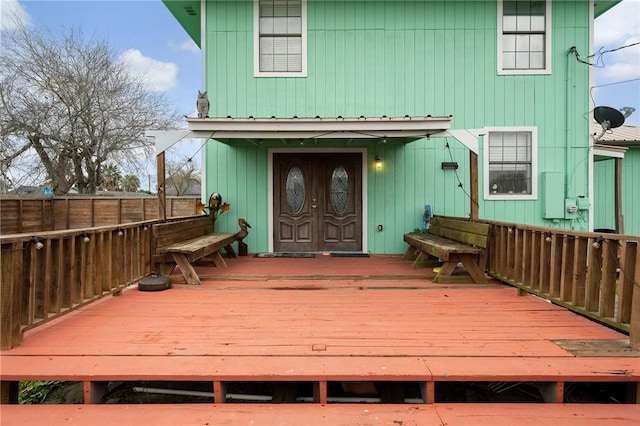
column 593, row 274
column 54, row 273
column 42, row 214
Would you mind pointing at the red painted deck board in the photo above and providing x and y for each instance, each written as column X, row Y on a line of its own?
column 322, row 319
column 253, row 368
column 289, row 414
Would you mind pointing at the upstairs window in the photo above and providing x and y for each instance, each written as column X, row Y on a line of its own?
column 524, row 35
column 511, row 163
column 280, row 38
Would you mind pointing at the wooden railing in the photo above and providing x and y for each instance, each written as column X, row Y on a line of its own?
column 45, row 276
column 593, row 274
column 21, row 214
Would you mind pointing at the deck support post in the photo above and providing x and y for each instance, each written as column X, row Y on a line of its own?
column 631, row 277
column 162, row 193
column 320, row 392
column 219, row 392
column 473, row 171
column 552, row 392
column 428, row 391
column 9, row 392
column 94, row 391
column 10, row 295
column 632, row 393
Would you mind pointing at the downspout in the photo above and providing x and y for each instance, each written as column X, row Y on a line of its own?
column 567, row 126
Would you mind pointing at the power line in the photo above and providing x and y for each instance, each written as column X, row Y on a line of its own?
column 598, row 56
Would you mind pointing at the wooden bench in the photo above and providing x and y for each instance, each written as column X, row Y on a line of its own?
column 452, row 241
column 185, row 241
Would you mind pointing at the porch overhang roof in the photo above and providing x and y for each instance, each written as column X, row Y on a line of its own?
column 404, row 129
column 318, row 128
column 605, row 152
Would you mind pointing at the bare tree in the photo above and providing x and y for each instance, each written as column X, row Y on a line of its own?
column 181, row 176
column 73, row 104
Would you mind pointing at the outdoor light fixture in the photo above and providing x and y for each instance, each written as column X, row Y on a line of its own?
column 449, row 165
column 378, row 162
column 119, row 231
column 598, row 243
column 512, row 229
column 549, row 237
column 85, row 237
column 37, row 243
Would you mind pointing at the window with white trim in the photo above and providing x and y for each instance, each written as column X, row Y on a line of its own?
column 524, row 37
column 510, row 163
column 280, row 38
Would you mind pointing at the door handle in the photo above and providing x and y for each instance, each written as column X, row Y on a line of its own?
column 314, row 203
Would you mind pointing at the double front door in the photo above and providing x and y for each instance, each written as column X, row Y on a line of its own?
column 317, row 202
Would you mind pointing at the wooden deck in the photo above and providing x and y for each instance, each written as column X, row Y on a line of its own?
column 326, row 321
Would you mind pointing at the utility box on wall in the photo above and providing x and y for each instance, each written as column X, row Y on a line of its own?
column 570, row 208
column 552, row 192
column 583, row 203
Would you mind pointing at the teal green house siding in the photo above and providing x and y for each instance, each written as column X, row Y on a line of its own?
column 630, row 198
column 397, row 58
column 604, row 192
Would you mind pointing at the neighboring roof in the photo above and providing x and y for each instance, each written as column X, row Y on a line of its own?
column 625, row 135
column 31, row 190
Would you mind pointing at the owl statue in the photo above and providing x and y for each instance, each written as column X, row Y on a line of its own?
column 202, row 104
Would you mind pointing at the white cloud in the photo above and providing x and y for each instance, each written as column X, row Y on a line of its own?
column 156, row 75
column 186, row 46
column 618, row 27
column 618, row 24
column 13, row 15
column 623, row 64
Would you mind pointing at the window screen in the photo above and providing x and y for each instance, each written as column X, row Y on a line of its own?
column 510, row 163
column 523, row 34
column 280, row 35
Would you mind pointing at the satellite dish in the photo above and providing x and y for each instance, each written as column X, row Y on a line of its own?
column 612, row 115
column 609, row 118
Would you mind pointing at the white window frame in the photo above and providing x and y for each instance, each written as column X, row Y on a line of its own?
column 547, row 44
column 256, row 45
column 534, row 164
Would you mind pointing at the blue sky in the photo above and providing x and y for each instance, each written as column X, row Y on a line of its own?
column 142, row 32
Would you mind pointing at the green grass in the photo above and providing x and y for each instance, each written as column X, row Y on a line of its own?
column 40, row 392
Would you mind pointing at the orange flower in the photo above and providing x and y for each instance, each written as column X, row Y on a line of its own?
column 225, row 207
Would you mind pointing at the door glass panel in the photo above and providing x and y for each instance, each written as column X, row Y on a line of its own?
column 295, row 191
column 339, row 189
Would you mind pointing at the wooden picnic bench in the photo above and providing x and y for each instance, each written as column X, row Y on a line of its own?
column 185, row 241
column 452, row 241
